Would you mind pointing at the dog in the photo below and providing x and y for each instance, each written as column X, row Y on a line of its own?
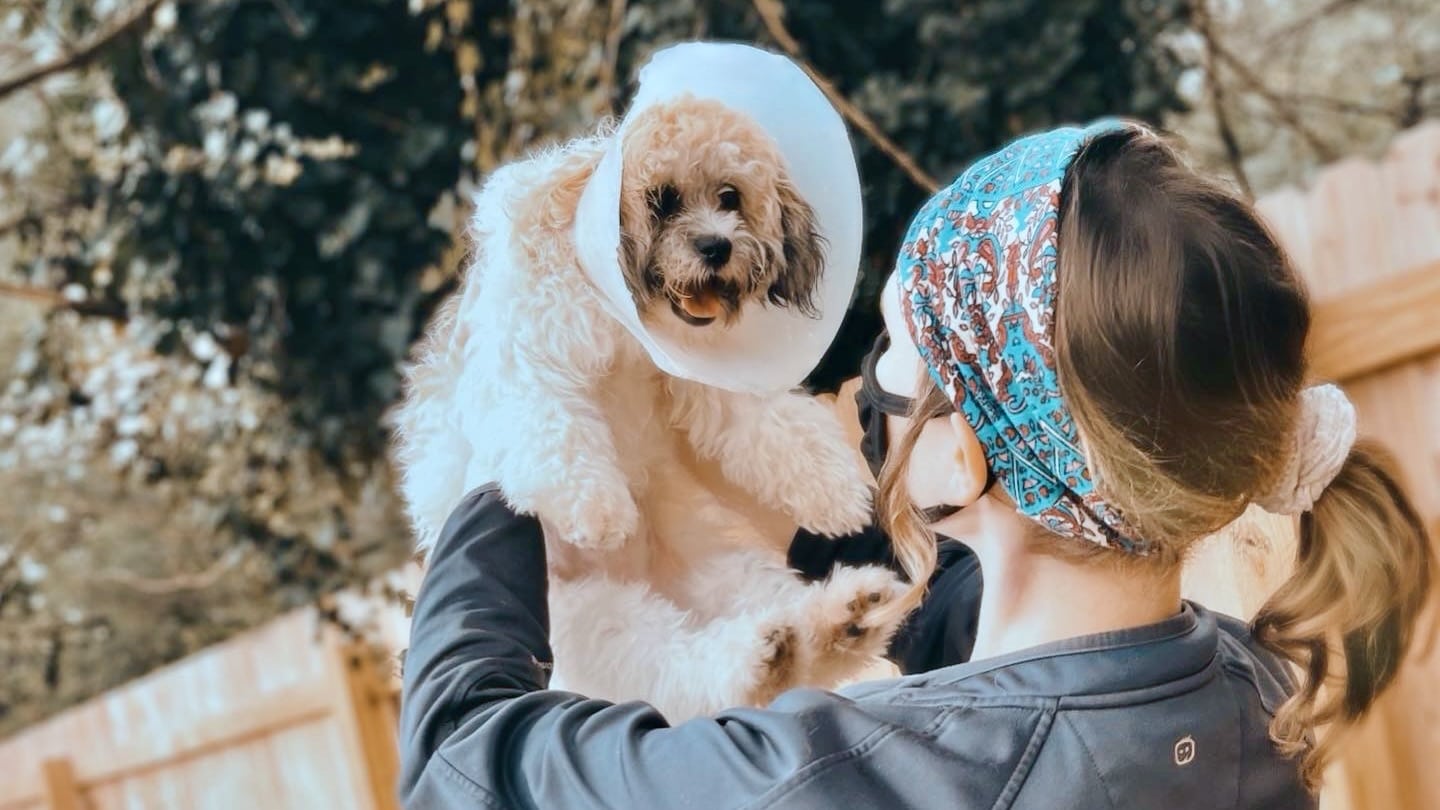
column 667, row 505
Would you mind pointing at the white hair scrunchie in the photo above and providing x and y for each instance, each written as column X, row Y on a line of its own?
column 1324, row 434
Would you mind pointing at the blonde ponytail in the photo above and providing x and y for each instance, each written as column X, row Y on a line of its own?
column 1347, row 614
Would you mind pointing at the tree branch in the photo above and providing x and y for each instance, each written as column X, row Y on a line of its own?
column 1283, row 109
column 608, row 68
column 156, row 586
column 81, row 55
column 55, row 300
column 1345, row 106
column 772, row 13
column 39, row 295
column 1226, row 130
column 1300, row 27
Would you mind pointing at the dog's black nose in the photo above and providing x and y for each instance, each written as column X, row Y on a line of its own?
column 715, row 250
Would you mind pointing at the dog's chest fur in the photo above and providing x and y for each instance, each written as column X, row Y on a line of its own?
column 689, row 511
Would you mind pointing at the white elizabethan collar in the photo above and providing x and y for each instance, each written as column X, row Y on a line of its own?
column 768, row 348
column 1324, row 434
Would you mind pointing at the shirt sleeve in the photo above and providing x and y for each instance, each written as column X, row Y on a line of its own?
column 814, row 556
column 478, row 727
column 941, row 632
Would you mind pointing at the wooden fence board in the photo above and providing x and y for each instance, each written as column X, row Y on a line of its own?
column 1398, row 408
column 308, row 762
column 1393, row 320
column 1368, row 245
column 208, row 732
column 1287, row 214
column 1412, row 166
column 62, row 791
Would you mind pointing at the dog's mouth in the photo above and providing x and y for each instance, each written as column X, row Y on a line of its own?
column 702, row 304
column 684, row 314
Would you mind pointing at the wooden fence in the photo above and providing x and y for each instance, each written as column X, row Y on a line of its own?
column 293, row 716
column 1373, row 263
column 1366, row 237
column 287, row 716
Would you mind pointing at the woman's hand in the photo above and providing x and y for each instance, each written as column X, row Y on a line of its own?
column 848, row 412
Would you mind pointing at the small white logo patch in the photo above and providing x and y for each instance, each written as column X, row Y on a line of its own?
column 1185, row 751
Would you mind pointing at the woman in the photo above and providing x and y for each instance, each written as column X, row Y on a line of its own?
column 1094, row 358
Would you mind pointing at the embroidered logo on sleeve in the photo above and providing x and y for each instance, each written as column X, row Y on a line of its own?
column 1185, row 751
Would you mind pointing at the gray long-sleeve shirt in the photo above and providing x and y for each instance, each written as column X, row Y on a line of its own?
column 1171, row 716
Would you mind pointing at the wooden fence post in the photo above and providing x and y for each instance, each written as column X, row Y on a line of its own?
column 62, row 792
column 368, row 717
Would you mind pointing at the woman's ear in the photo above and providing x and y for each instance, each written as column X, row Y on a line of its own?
column 969, row 473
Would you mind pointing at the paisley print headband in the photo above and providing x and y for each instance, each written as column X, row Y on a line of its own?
column 977, row 275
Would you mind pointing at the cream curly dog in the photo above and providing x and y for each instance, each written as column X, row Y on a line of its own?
column 667, row 504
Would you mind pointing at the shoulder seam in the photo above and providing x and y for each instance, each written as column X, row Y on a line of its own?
column 1249, row 676
column 1027, row 759
column 1089, row 755
column 467, row 784
column 823, row 765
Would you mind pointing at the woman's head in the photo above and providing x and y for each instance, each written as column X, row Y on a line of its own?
column 1170, row 327
column 1179, row 338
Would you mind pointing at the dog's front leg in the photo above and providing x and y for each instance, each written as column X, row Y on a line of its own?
column 787, row 449
column 554, row 457
column 528, row 407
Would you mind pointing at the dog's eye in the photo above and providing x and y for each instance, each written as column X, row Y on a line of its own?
column 729, row 199
column 664, row 201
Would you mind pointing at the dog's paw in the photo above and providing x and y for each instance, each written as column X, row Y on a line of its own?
column 847, row 626
column 592, row 512
column 598, row 514
column 775, row 664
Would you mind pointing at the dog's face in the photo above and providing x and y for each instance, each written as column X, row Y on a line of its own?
column 709, row 220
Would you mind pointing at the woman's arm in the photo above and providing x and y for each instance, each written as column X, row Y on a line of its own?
column 478, row 727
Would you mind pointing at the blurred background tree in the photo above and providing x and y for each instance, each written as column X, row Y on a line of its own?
column 222, row 222
column 1278, row 89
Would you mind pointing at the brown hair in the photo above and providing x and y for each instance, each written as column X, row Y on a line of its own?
column 1179, row 343
column 1180, row 335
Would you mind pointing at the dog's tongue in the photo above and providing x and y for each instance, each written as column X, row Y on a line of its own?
column 702, row 305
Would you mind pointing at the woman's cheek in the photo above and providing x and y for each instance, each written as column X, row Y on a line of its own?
column 930, row 468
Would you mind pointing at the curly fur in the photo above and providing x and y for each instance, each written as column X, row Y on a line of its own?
column 695, row 150
column 667, row 505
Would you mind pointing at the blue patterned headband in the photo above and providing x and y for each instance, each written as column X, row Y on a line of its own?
column 978, row 289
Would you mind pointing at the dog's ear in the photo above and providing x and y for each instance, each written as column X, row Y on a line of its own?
column 635, row 240
column 803, row 259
